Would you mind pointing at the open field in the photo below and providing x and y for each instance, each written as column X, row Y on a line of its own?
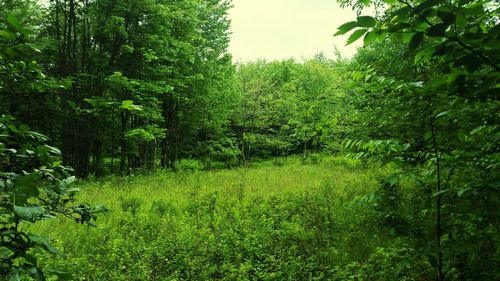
column 295, row 221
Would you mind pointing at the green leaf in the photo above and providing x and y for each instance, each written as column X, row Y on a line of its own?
column 99, row 209
column 424, row 55
column 404, row 36
column 394, row 179
column 28, row 184
column 36, row 135
column 442, row 113
column 370, row 37
column 5, row 253
column 24, row 128
column 31, row 213
column 7, row 34
column 460, row 20
column 401, row 14
column 45, row 149
column 129, row 105
column 437, row 30
column 45, row 244
column 462, row 191
column 70, row 180
column 456, row 76
column 427, row 135
column 13, row 128
column 14, row 22
column 477, row 129
column 356, row 35
column 346, row 27
column 71, row 104
column 416, row 41
column 126, row 104
column 61, row 275
column 428, row 4
column 474, row 10
column 348, row 144
column 366, row 21
column 435, row 194
column 35, row 273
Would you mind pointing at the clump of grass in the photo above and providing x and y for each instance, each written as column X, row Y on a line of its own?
column 131, row 205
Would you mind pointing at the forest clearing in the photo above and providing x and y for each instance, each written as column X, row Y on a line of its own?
column 286, row 221
column 236, row 140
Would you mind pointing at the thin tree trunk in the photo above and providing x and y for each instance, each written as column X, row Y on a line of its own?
column 439, row 195
column 123, row 142
column 305, row 149
column 112, row 168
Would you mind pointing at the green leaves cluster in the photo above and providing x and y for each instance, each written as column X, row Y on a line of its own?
column 430, row 85
column 287, row 107
column 128, row 79
column 34, row 185
column 362, row 25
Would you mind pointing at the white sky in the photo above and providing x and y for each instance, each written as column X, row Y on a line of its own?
column 281, row 29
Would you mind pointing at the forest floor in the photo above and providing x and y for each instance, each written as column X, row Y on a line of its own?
column 274, row 220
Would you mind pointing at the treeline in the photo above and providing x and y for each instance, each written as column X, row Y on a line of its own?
column 288, row 107
column 127, row 82
column 142, row 84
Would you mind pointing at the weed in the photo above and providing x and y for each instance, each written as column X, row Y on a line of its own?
column 264, row 222
column 131, row 205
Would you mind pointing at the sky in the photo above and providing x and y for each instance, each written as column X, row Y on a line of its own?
column 281, row 29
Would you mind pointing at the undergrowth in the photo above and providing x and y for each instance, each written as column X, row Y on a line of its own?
column 293, row 221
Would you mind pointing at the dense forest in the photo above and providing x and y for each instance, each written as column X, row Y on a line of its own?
column 143, row 96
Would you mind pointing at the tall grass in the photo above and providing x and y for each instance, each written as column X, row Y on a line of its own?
column 287, row 221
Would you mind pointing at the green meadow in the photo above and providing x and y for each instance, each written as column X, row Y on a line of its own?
column 276, row 220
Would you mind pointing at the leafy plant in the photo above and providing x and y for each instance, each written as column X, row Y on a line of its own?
column 34, row 185
column 427, row 121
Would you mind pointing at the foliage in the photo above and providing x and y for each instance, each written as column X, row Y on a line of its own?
column 131, row 90
column 264, row 222
column 438, row 122
column 128, row 86
column 34, row 186
column 287, row 107
column 136, row 76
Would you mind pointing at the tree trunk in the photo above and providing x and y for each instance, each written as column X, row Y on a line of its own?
column 305, row 149
column 123, row 142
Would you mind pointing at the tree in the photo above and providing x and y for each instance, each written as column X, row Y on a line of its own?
column 166, row 57
column 287, row 107
column 33, row 183
column 441, row 125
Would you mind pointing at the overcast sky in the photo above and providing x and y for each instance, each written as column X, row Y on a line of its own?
column 280, row 29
